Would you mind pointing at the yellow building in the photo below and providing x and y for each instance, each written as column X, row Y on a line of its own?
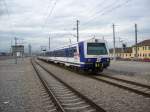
column 143, row 50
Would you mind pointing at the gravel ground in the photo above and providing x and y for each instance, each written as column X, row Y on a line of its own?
column 111, row 98
column 139, row 68
column 135, row 71
column 130, row 67
column 140, row 79
column 20, row 89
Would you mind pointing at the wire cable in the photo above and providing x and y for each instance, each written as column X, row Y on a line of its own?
column 50, row 13
column 8, row 14
column 107, row 11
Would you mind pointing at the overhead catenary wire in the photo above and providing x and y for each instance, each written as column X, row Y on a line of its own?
column 107, row 11
column 9, row 23
column 50, row 13
column 52, row 9
column 45, row 16
column 98, row 4
column 5, row 4
column 103, row 8
column 8, row 14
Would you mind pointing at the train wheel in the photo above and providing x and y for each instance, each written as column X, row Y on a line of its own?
column 101, row 69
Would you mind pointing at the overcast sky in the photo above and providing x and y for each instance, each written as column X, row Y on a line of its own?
column 32, row 21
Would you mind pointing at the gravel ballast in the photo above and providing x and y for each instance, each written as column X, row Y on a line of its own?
column 111, row 98
column 138, row 71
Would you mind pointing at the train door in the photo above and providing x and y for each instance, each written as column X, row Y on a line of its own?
column 81, row 51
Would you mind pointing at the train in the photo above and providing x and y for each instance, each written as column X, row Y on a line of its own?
column 89, row 55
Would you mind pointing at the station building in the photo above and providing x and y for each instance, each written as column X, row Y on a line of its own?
column 143, row 51
column 17, row 50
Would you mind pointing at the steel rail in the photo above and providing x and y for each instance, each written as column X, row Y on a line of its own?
column 122, row 86
column 116, row 84
column 50, row 93
column 93, row 104
column 127, row 81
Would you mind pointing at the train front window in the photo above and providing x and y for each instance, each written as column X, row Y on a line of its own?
column 96, row 49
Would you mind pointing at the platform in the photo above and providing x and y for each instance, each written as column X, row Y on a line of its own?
column 19, row 87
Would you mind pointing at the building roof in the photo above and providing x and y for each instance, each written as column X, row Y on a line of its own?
column 18, row 45
column 121, row 50
column 143, row 43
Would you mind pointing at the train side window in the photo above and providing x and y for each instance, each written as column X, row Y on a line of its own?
column 71, row 52
column 75, row 50
column 79, row 49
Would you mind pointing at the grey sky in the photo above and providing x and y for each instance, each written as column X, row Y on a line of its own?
column 33, row 20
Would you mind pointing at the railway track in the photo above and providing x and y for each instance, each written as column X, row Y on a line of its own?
column 64, row 97
column 131, row 86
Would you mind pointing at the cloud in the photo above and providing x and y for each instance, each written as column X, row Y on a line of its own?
column 31, row 20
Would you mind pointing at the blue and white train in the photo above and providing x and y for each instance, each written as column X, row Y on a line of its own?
column 90, row 55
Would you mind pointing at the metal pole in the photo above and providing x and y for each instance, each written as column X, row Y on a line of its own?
column 77, row 30
column 15, row 50
column 136, row 41
column 30, row 52
column 70, row 41
column 114, row 43
column 49, row 43
column 11, row 48
column 103, row 38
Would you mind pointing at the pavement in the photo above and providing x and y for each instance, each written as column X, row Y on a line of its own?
column 19, row 87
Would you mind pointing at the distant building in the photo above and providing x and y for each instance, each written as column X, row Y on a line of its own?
column 122, row 53
column 18, row 50
column 143, row 49
column 3, row 54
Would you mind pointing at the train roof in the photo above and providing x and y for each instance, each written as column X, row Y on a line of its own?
column 89, row 40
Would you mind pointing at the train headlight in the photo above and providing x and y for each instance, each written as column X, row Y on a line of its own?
column 108, row 59
column 98, row 59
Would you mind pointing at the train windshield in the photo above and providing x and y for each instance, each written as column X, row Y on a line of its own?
column 96, row 49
